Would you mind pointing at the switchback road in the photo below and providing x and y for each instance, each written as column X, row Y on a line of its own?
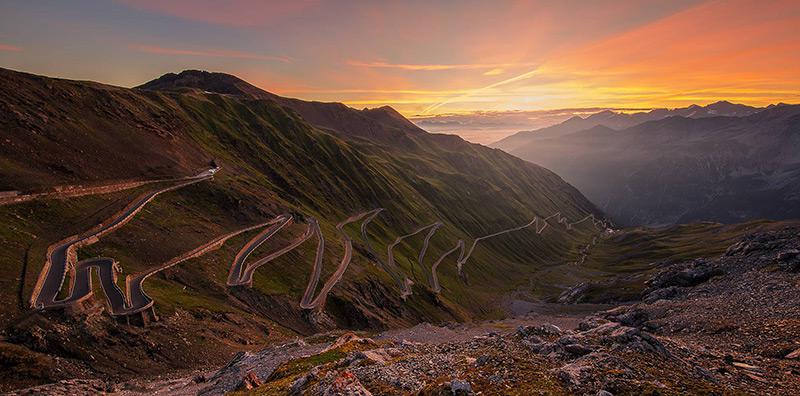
column 62, row 256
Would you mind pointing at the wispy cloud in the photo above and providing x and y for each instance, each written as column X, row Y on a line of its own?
column 9, row 48
column 494, row 72
column 208, row 52
column 473, row 92
column 497, row 68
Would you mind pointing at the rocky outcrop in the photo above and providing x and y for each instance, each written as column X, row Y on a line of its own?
column 66, row 388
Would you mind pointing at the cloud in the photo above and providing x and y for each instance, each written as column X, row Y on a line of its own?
column 476, row 91
column 494, row 72
column 214, row 53
column 495, row 68
column 9, row 48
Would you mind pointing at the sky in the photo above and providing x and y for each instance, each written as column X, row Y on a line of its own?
column 497, row 66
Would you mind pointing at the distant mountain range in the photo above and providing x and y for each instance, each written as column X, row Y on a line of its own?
column 722, row 162
column 620, row 120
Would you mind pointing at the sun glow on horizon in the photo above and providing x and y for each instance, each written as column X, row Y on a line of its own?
column 460, row 58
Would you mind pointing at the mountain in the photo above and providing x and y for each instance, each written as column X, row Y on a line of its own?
column 382, row 123
column 617, row 120
column 85, row 151
column 680, row 169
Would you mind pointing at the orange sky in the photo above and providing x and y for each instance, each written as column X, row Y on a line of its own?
column 425, row 57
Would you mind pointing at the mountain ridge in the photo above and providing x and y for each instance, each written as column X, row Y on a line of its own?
column 721, row 168
column 620, row 120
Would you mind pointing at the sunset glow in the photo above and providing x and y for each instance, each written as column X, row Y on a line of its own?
column 426, row 58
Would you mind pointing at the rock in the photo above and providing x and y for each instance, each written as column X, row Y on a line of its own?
column 591, row 323
column 354, row 358
column 577, row 349
column 349, row 338
column 686, row 274
column 574, row 294
column 789, row 260
column 602, row 330
column 745, row 366
column 250, row 381
column 787, row 255
column 793, row 355
column 567, row 339
column 377, row 356
column 592, row 370
column 546, row 348
column 495, row 379
column 741, row 247
column 300, row 383
column 346, row 384
column 633, row 317
column 199, row 379
column 604, row 393
column 483, row 359
column 635, row 339
column 661, row 294
column 545, row 329
column 65, row 388
column 459, row 387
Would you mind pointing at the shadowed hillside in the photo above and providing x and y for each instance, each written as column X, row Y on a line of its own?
column 678, row 169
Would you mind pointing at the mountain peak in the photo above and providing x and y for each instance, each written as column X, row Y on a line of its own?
column 215, row 82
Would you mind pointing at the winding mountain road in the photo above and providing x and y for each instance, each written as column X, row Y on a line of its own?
column 386, row 267
column 405, row 288
column 15, row 197
column 540, row 224
column 62, row 256
column 138, row 298
column 319, row 302
column 237, row 269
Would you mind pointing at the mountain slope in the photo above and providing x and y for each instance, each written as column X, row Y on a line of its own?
column 273, row 161
column 617, row 120
column 679, row 170
column 377, row 124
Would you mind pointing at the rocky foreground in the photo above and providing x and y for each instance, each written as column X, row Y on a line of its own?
column 727, row 325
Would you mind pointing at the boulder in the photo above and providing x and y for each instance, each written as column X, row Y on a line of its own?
column 250, row 381
column 686, row 274
column 542, row 330
column 459, row 387
column 577, row 349
column 789, row 260
column 667, row 293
